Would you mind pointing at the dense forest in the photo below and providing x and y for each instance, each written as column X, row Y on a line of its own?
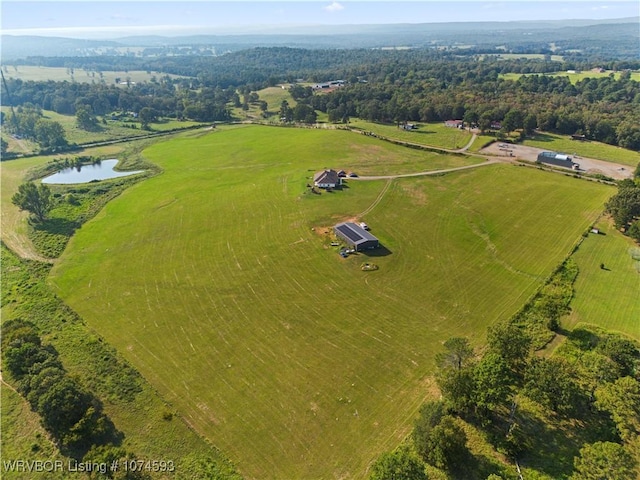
column 382, row 86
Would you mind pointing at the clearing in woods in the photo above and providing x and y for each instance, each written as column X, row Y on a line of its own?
column 289, row 358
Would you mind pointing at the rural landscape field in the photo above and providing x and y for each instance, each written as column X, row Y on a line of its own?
column 197, row 315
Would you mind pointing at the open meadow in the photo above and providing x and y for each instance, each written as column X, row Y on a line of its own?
column 429, row 134
column 217, row 282
column 607, row 297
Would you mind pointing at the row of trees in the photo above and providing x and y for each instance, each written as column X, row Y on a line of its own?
column 414, row 85
column 602, row 109
column 624, row 206
column 28, row 122
column 71, row 414
column 594, row 381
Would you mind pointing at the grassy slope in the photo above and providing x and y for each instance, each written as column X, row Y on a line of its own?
column 131, row 403
column 602, row 151
column 290, row 359
column 114, row 129
column 608, row 298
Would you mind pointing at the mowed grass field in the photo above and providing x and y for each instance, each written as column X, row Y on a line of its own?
column 429, row 134
column 608, row 297
column 590, row 149
column 214, row 280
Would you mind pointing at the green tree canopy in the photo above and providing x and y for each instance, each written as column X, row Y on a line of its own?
column 34, row 199
column 604, row 461
column 551, row 383
column 398, row 465
column 85, row 119
column 510, row 342
column 622, row 400
column 458, row 353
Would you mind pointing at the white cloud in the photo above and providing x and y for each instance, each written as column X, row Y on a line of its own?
column 334, row 7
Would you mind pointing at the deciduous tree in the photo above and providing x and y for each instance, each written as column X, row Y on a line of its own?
column 604, row 461
column 398, row 465
column 34, row 199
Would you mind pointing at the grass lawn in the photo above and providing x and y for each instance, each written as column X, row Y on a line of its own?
column 591, row 149
column 112, row 130
column 80, row 75
column 430, row 134
column 211, row 280
column 274, row 96
column 608, row 297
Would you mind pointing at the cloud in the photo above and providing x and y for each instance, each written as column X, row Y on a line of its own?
column 334, row 7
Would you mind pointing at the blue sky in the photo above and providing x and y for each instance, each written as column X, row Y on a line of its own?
column 116, row 18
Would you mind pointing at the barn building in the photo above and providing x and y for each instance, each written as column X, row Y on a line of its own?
column 356, row 236
column 327, row 179
column 557, row 159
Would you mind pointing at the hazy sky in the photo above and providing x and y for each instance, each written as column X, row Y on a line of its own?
column 93, row 19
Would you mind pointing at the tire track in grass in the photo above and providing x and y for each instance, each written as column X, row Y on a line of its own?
column 377, row 200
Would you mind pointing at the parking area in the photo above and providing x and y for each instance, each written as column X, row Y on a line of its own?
column 587, row 165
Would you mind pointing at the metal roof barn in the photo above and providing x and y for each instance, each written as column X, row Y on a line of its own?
column 356, row 236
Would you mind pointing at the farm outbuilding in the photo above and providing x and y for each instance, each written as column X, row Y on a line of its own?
column 356, row 236
column 557, row 159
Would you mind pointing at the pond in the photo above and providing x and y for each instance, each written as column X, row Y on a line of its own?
column 87, row 173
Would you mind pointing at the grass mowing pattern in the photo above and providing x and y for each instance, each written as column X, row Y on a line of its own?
column 150, row 429
column 608, row 297
column 293, row 361
column 590, row 149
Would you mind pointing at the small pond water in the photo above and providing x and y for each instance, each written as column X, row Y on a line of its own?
column 87, row 173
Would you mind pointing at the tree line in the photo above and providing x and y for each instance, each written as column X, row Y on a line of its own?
column 70, row 413
column 414, row 85
column 590, row 385
column 624, row 206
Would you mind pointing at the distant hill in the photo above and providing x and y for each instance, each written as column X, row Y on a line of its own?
column 611, row 35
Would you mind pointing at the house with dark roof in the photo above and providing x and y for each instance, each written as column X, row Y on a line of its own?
column 327, row 179
column 356, row 236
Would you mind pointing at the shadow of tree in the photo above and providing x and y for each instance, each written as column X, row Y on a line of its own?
column 57, row 226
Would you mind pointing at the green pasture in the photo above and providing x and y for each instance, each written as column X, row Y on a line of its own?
column 80, row 75
column 590, row 149
column 573, row 77
column 112, row 130
column 608, row 297
column 274, row 96
column 429, row 134
column 217, row 282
